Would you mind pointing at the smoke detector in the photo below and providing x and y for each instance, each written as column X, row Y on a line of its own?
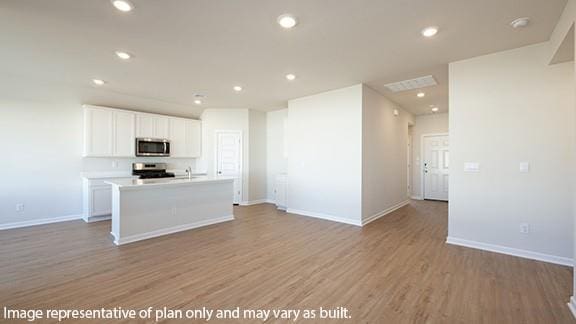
column 520, row 22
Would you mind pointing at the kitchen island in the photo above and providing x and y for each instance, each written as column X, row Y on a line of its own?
column 143, row 209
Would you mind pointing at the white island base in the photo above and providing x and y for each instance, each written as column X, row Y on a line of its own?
column 143, row 209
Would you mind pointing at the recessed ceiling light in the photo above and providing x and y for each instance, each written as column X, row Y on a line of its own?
column 198, row 101
column 429, row 31
column 237, row 88
column 123, row 55
column 421, row 95
column 520, row 22
column 98, row 82
column 435, row 109
column 290, row 77
column 287, row 21
column 123, row 5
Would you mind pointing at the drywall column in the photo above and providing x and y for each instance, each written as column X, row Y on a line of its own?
column 325, row 155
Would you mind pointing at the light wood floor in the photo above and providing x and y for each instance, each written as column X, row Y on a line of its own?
column 395, row 270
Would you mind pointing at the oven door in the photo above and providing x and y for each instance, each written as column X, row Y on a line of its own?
column 152, row 147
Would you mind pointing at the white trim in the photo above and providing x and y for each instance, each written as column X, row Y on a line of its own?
column 256, row 202
column 42, row 221
column 384, row 212
column 572, row 306
column 511, row 251
column 422, row 184
column 324, row 216
column 92, row 219
column 417, row 198
column 170, row 230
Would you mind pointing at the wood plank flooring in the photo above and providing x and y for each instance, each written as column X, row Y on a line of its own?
column 398, row 269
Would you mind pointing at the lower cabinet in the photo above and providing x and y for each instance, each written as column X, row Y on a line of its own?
column 97, row 200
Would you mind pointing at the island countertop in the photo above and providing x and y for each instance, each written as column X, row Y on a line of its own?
column 127, row 183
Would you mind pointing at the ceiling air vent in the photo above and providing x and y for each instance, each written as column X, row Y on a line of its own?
column 412, row 84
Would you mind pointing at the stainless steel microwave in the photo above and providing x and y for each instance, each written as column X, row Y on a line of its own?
column 152, row 147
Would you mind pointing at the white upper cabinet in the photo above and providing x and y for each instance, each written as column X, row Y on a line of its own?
column 185, row 137
column 98, row 132
column 194, row 136
column 162, row 127
column 108, row 132
column 152, row 126
column 124, row 139
column 145, row 126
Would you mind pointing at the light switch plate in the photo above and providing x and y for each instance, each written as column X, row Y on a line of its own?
column 524, row 167
column 471, row 167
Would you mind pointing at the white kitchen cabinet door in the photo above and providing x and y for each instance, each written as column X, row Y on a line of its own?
column 124, row 137
column 193, row 138
column 162, row 127
column 101, row 200
column 177, row 137
column 185, row 138
column 152, row 126
column 98, row 132
column 146, row 126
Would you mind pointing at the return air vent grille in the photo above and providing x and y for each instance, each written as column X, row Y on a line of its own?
column 412, row 84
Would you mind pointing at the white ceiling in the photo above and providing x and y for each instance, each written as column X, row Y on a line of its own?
column 183, row 47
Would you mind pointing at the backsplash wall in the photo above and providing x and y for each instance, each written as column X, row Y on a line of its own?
column 115, row 165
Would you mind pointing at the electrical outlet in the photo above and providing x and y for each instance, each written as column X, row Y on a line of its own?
column 114, row 164
column 173, row 211
column 20, row 207
column 524, row 228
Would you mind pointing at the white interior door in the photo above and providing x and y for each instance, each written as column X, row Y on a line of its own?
column 229, row 159
column 436, row 162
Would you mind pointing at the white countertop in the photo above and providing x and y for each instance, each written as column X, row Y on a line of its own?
column 102, row 175
column 128, row 183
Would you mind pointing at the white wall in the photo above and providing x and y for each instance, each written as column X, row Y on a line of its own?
column 42, row 162
column 252, row 124
column 507, row 108
column 384, row 154
column 257, row 189
column 277, row 159
column 424, row 124
column 325, row 154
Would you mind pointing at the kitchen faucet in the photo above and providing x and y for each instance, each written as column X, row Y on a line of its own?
column 189, row 172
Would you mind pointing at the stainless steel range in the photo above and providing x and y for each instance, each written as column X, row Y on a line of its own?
column 151, row 170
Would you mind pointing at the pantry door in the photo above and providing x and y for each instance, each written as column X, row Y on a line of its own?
column 229, row 159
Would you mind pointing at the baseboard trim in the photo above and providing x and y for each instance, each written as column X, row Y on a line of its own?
column 416, row 198
column 42, row 221
column 93, row 219
column 384, row 212
column 324, row 216
column 256, row 202
column 170, row 230
column 511, row 251
column 572, row 306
